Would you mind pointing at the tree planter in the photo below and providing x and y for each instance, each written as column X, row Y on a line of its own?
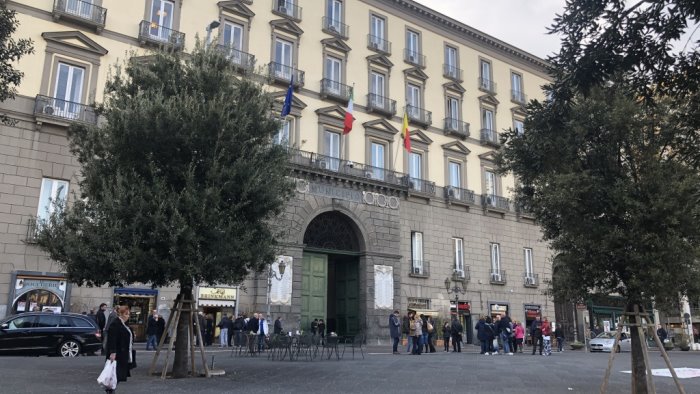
column 668, row 345
column 577, row 345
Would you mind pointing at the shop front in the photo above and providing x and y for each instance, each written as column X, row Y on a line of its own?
column 498, row 308
column 531, row 313
column 141, row 303
column 35, row 291
column 463, row 311
column 217, row 301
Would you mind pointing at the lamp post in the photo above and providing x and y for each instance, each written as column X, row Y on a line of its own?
column 456, row 290
column 213, row 25
column 272, row 274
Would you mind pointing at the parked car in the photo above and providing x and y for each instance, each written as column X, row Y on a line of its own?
column 605, row 340
column 45, row 333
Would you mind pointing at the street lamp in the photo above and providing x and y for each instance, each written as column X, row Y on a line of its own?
column 213, row 25
column 281, row 265
column 456, row 290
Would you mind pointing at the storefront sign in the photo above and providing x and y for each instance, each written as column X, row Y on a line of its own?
column 464, row 307
column 26, row 284
column 341, row 193
column 217, row 293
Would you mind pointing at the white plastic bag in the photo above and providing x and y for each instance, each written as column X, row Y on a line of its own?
column 108, row 377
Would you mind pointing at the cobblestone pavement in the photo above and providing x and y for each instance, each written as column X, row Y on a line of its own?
column 379, row 372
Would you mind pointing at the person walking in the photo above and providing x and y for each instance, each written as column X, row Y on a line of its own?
column 406, row 328
column 546, row 337
column 536, row 335
column 424, row 328
column 417, row 324
column 481, row 328
column 456, row 331
column 505, row 330
column 559, row 334
column 322, row 330
column 314, row 327
column 446, row 335
column 152, row 331
column 395, row 331
column 519, row 336
column 662, row 334
column 278, row 326
column 120, row 345
column 209, row 330
column 223, row 331
column 490, row 335
column 263, row 331
column 238, row 327
column 431, row 334
column 111, row 317
column 101, row 319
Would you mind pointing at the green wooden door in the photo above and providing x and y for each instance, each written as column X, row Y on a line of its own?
column 314, row 279
column 347, row 298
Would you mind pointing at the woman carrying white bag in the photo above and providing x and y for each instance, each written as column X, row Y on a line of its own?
column 120, row 350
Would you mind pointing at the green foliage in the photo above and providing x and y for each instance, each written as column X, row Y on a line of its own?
column 180, row 184
column 12, row 51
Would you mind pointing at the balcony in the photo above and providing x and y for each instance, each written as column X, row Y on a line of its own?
column 421, row 186
column 63, row 111
column 241, row 60
column 490, row 137
column 32, row 230
column 154, row 34
column 492, row 201
column 518, row 97
column 456, row 127
column 378, row 44
column 286, row 9
column 81, row 12
column 497, row 277
column 461, row 276
column 419, row 269
column 336, row 28
column 523, row 210
column 531, row 280
column 283, row 74
column 414, row 57
column 335, row 90
column 452, row 72
column 381, row 104
column 487, row 85
column 419, row 116
column 459, row 195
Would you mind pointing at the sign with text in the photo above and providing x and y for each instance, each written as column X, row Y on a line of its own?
column 217, row 293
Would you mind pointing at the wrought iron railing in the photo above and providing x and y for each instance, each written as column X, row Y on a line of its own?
column 454, row 193
column 497, row 277
column 487, row 85
column 381, row 104
column 378, row 44
column 335, row 89
column 82, row 11
column 518, row 96
column 287, row 9
column 490, row 137
column 414, row 57
column 239, row 58
column 452, row 72
column 32, row 230
column 531, row 280
column 419, row 115
column 284, row 73
column 419, row 185
column 456, row 127
column 419, row 269
column 62, row 109
column 494, row 201
column 335, row 27
column 463, row 275
column 522, row 209
column 154, row 33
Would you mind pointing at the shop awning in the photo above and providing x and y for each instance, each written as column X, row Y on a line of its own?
column 426, row 312
column 133, row 291
column 218, row 303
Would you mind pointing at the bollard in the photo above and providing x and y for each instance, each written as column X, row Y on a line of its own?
column 212, row 362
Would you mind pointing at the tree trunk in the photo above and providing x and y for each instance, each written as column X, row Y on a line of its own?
column 180, row 365
column 639, row 368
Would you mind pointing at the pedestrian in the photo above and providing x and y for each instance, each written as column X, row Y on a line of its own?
column 202, row 324
column 278, row 326
column 417, row 324
column 546, row 337
column 152, row 331
column 314, row 327
column 395, row 331
column 490, row 335
column 111, row 317
column 661, row 333
column 519, row 336
column 424, row 329
column 512, row 337
column 101, row 319
column 446, row 334
column 456, row 332
column 238, row 327
column 263, row 331
column 559, row 334
column 431, row 334
column 209, row 330
column 120, row 346
column 505, row 330
column 406, row 329
column 536, row 335
column 223, row 331
column 481, row 335
column 160, row 324
column 322, row 330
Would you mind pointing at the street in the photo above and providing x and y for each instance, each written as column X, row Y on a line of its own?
column 379, row 372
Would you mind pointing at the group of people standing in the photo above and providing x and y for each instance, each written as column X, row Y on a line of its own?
column 231, row 331
column 503, row 334
column 420, row 331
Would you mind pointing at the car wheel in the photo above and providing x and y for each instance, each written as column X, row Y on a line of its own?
column 69, row 348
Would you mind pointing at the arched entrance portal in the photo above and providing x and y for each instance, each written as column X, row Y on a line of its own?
column 330, row 274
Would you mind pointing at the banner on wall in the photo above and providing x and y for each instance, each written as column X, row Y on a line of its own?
column 281, row 290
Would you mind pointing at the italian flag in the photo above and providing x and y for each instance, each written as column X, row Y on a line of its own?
column 347, row 126
column 404, row 133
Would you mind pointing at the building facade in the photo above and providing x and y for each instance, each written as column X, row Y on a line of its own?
column 373, row 227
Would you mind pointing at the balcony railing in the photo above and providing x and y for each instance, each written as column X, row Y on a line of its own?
column 287, row 9
column 422, row 186
column 452, row 72
column 497, row 277
column 419, row 269
column 282, row 73
column 378, row 44
column 414, row 57
column 419, row 115
column 517, row 96
column 152, row 33
column 82, row 12
column 335, row 27
column 531, row 280
column 462, row 275
column 32, row 230
column 453, row 193
column 490, row 137
column 381, row 104
column 335, row 89
column 487, row 85
column 494, row 201
column 240, row 59
column 523, row 210
column 456, row 127
column 52, row 107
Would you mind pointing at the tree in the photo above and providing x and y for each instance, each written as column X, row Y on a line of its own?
column 11, row 51
column 180, row 184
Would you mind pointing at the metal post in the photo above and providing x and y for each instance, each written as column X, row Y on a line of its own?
column 269, row 289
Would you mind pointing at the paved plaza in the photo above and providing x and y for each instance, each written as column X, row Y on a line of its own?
column 379, row 372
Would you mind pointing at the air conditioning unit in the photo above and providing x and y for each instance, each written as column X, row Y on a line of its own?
column 322, row 164
column 282, row 9
column 374, row 45
column 416, row 270
column 459, row 274
column 529, row 280
column 412, row 185
column 369, row 174
column 451, row 191
column 489, row 201
column 496, row 277
column 411, row 59
column 49, row 110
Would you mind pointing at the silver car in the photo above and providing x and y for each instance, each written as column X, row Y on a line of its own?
column 604, row 342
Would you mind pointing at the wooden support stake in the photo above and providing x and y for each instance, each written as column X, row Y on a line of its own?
column 604, row 386
column 642, row 338
column 201, row 350
column 162, row 339
column 172, row 341
column 681, row 390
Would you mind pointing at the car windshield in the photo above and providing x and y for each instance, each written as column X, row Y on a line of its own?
column 607, row 335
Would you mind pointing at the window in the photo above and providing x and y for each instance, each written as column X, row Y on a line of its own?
column 455, row 173
column 487, row 120
column 529, row 271
column 22, row 322
column 413, row 100
column 69, row 90
column 451, row 67
column 518, row 126
column 82, row 8
column 516, row 85
column 458, row 256
column 161, row 19
column 485, row 74
column 333, row 74
column 332, row 144
column 53, row 192
column 376, row 28
column 496, row 262
column 453, row 113
column 282, row 136
column 377, row 89
column 417, row 252
column 491, row 183
column 286, row 7
column 377, row 160
column 334, row 12
column 412, row 45
column 47, row 321
column 415, row 164
column 283, row 59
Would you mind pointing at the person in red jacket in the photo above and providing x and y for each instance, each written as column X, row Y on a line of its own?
column 547, row 337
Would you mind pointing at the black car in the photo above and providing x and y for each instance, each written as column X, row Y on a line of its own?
column 40, row 333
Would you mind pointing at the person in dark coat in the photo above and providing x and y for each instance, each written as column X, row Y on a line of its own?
column 120, row 345
column 457, row 329
column 209, row 330
column 536, row 334
column 102, row 322
column 238, row 327
column 278, row 326
column 490, row 334
column 321, row 329
column 152, row 331
column 482, row 336
column 395, row 331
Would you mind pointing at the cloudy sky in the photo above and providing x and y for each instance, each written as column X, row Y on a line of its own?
column 521, row 23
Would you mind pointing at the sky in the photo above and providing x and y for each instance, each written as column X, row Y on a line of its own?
column 521, row 23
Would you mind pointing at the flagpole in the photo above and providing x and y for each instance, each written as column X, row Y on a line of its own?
column 401, row 144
